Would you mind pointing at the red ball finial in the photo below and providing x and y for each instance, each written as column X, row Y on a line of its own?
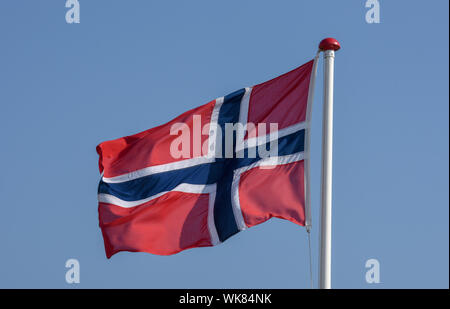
column 329, row 44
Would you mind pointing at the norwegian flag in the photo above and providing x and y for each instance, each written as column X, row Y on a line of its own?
column 152, row 200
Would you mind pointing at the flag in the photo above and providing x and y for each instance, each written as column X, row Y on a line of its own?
column 215, row 170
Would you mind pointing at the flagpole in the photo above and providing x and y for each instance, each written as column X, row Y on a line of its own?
column 328, row 46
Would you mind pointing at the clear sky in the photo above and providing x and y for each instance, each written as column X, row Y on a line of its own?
column 132, row 65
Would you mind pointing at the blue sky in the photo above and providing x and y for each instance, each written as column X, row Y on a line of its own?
column 132, row 65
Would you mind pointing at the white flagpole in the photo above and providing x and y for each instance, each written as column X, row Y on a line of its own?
column 328, row 46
